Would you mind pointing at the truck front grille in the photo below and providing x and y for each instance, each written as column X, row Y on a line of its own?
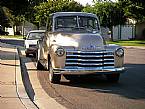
column 81, row 59
column 32, row 45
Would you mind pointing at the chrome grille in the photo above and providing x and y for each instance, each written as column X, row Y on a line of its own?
column 81, row 59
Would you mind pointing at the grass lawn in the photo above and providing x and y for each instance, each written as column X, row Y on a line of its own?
column 10, row 36
column 128, row 43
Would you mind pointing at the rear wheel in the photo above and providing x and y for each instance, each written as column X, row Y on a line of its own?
column 39, row 66
column 35, row 54
column 113, row 77
column 73, row 78
column 47, row 63
column 54, row 78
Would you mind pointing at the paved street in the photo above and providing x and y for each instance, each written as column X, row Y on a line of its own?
column 96, row 92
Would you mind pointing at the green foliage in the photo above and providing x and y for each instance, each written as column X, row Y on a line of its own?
column 3, row 18
column 33, row 3
column 7, row 19
column 11, row 12
column 134, row 9
column 109, row 13
column 18, row 7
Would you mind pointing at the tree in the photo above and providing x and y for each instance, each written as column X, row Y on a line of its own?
column 11, row 12
column 18, row 7
column 134, row 9
column 33, row 3
column 3, row 18
column 109, row 13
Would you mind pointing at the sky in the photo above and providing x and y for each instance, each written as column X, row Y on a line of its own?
column 84, row 2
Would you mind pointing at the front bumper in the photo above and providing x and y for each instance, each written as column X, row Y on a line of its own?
column 82, row 71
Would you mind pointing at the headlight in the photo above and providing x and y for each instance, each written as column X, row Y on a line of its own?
column 60, row 51
column 119, row 52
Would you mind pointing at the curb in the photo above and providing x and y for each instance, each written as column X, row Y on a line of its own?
column 20, row 89
column 25, row 80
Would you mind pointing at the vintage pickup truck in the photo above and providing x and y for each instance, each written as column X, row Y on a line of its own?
column 73, row 46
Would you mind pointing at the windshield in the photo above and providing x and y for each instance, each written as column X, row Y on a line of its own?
column 36, row 35
column 73, row 23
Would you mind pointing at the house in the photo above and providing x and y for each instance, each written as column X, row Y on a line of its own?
column 140, row 30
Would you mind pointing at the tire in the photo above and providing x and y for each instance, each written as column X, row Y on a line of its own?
column 113, row 77
column 39, row 66
column 27, row 55
column 35, row 55
column 53, row 78
column 73, row 78
column 38, row 54
column 47, row 65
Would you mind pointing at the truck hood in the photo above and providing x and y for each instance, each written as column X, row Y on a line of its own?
column 83, row 41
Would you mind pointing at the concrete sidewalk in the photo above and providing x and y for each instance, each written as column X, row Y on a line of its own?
column 12, row 91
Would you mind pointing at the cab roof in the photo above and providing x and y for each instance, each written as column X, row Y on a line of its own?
column 73, row 14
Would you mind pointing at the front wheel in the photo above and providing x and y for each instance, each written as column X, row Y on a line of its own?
column 27, row 54
column 72, row 78
column 113, row 77
column 39, row 66
column 54, row 78
column 35, row 54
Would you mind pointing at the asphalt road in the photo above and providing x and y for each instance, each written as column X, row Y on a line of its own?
column 96, row 92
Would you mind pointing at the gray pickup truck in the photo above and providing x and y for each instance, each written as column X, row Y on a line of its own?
column 73, row 46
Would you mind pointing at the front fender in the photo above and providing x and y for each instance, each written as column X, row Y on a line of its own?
column 119, row 61
column 57, row 62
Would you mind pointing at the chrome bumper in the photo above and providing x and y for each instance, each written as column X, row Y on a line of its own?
column 82, row 71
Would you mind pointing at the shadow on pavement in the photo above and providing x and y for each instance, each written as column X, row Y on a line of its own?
column 6, row 55
column 8, row 64
column 14, row 42
column 131, row 84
